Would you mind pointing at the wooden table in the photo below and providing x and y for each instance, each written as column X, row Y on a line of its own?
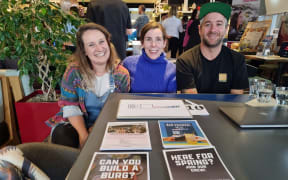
column 280, row 60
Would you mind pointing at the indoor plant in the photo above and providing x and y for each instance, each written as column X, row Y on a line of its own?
column 34, row 33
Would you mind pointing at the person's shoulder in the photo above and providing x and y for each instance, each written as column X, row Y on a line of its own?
column 120, row 70
column 131, row 60
column 235, row 55
column 187, row 55
column 171, row 67
column 169, row 63
column 120, row 2
column 72, row 67
column 164, row 22
column 72, row 70
column 178, row 20
column 145, row 17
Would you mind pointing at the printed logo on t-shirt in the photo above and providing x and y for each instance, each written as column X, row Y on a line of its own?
column 222, row 77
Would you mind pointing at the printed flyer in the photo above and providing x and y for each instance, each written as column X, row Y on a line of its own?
column 119, row 166
column 196, row 163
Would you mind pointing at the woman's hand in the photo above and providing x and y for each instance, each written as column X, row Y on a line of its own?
column 83, row 137
column 90, row 129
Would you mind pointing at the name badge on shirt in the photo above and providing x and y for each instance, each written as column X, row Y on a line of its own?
column 222, row 77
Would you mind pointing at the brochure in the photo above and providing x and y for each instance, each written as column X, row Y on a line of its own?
column 124, row 166
column 126, row 136
column 182, row 133
column 152, row 109
column 196, row 109
column 196, row 163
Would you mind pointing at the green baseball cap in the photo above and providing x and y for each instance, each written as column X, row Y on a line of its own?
column 219, row 7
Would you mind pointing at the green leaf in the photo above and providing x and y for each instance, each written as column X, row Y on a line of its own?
column 6, row 49
column 2, row 37
column 43, row 11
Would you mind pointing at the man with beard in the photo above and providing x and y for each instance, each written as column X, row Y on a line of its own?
column 211, row 67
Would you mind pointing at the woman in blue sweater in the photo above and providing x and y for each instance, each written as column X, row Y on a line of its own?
column 151, row 72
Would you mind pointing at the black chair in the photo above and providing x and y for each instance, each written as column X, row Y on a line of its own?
column 55, row 160
column 251, row 70
column 4, row 133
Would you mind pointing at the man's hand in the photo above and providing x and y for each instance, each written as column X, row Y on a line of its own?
column 237, row 91
column 189, row 91
column 128, row 31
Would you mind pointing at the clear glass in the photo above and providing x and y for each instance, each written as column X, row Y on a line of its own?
column 264, row 91
column 253, row 85
column 281, row 95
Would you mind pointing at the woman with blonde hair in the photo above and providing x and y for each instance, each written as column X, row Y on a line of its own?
column 92, row 75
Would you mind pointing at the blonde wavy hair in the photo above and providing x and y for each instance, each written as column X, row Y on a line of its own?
column 85, row 65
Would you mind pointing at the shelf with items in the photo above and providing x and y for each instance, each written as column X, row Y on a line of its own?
column 160, row 8
column 185, row 12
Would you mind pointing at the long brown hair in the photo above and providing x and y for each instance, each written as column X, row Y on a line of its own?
column 85, row 65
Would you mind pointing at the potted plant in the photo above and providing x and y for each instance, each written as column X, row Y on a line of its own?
column 33, row 32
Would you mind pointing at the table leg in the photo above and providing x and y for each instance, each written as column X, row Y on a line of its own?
column 279, row 73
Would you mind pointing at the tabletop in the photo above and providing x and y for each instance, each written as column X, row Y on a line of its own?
column 267, row 58
column 247, row 153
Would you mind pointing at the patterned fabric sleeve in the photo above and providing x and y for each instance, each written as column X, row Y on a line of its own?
column 122, row 79
column 70, row 85
column 71, row 80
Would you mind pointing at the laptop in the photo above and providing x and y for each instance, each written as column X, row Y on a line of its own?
column 257, row 117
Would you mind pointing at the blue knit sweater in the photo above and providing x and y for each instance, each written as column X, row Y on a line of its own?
column 151, row 76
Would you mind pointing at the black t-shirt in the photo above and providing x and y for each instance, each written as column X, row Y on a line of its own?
column 209, row 73
column 227, row 71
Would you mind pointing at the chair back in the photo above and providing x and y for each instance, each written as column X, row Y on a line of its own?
column 251, row 70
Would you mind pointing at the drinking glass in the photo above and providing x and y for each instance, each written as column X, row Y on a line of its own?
column 264, row 91
column 281, row 95
column 253, row 87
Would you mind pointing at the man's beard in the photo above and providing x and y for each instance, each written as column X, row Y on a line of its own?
column 206, row 42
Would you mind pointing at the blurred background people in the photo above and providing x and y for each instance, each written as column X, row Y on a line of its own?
column 173, row 27
column 141, row 20
column 236, row 29
column 115, row 17
column 74, row 11
column 193, row 38
column 182, row 34
column 163, row 17
column 151, row 72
